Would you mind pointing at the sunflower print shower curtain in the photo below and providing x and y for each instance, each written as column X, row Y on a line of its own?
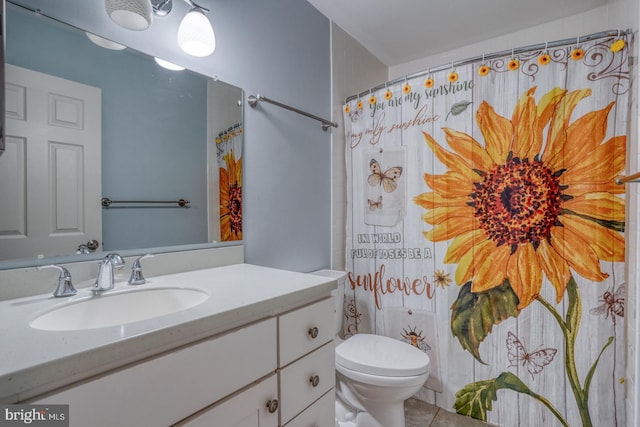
column 486, row 195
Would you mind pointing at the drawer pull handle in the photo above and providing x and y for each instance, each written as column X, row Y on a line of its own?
column 314, row 380
column 272, row 406
column 313, row 332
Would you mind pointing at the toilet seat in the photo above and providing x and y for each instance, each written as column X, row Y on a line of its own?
column 380, row 355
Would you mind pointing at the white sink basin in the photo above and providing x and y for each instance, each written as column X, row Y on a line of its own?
column 118, row 308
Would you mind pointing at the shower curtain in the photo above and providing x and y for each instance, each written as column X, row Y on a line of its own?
column 229, row 157
column 485, row 227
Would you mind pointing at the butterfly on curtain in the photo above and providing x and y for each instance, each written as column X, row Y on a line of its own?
column 534, row 362
column 387, row 179
column 373, row 204
column 613, row 304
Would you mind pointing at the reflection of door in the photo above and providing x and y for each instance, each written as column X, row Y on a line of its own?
column 50, row 172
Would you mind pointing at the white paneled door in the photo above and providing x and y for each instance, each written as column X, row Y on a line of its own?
column 50, row 173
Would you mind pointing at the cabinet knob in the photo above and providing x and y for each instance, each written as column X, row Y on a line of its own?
column 313, row 332
column 314, row 380
column 272, row 406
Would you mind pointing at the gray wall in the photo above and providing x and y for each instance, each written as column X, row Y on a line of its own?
column 280, row 49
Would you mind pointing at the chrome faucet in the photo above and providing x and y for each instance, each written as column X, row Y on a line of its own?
column 106, row 276
column 65, row 286
column 137, row 278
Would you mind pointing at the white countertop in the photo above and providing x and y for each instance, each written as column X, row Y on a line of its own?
column 35, row 361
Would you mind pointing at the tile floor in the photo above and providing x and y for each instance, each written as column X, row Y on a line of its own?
column 420, row 414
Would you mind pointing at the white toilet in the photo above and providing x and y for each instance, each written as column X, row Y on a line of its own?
column 374, row 374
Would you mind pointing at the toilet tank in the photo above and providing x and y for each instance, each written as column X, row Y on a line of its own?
column 338, row 294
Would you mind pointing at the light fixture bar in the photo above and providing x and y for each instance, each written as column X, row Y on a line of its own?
column 162, row 7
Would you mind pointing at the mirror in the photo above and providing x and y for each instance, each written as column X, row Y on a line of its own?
column 2, row 38
column 157, row 130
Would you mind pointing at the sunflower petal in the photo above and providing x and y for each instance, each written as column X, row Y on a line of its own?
column 556, row 137
column 451, row 184
column 526, row 142
column 491, row 270
column 584, row 135
column 547, row 106
column 433, row 200
column 602, row 165
column 451, row 227
column 450, row 160
column 497, row 132
column 466, row 267
column 580, row 256
column 555, row 267
column 608, row 244
column 462, row 244
column 591, row 187
column 469, row 149
column 443, row 213
column 604, row 206
column 525, row 275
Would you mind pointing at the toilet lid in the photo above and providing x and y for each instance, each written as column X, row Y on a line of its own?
column 380, row 355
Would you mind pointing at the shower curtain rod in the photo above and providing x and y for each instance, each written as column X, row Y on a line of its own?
column 633, row 178
column 253, row 102
column 494, row 55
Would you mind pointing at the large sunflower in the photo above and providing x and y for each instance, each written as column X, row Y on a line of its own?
column 538, row 198
column 231, row 198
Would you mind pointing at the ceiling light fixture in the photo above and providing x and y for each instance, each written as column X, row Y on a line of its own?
column 195, row 33
column 134, row 15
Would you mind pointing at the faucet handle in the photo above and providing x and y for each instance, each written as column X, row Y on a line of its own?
column 136, row 271
column 65, row 286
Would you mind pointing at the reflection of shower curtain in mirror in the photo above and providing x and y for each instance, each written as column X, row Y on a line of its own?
column 229, row 155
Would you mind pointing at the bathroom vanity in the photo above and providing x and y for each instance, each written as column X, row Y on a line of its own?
column 257, row 352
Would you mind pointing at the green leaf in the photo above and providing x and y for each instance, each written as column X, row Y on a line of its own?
column 474, row 314
column 458, row 108
column 475, row 399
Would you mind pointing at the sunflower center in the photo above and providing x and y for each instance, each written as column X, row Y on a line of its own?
column 234, row 204
column 518, row 202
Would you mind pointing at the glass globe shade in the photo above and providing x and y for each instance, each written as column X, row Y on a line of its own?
column 134, row 15
column 195, row 34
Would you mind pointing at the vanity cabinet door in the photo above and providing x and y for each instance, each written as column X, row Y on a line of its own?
column 302, row 331
column 171, row 387
column 250, row 408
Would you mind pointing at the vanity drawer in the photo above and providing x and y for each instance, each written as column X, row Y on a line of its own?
column 320, row 414
column 168, row 388
column 304, row 381
column 303, row 330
